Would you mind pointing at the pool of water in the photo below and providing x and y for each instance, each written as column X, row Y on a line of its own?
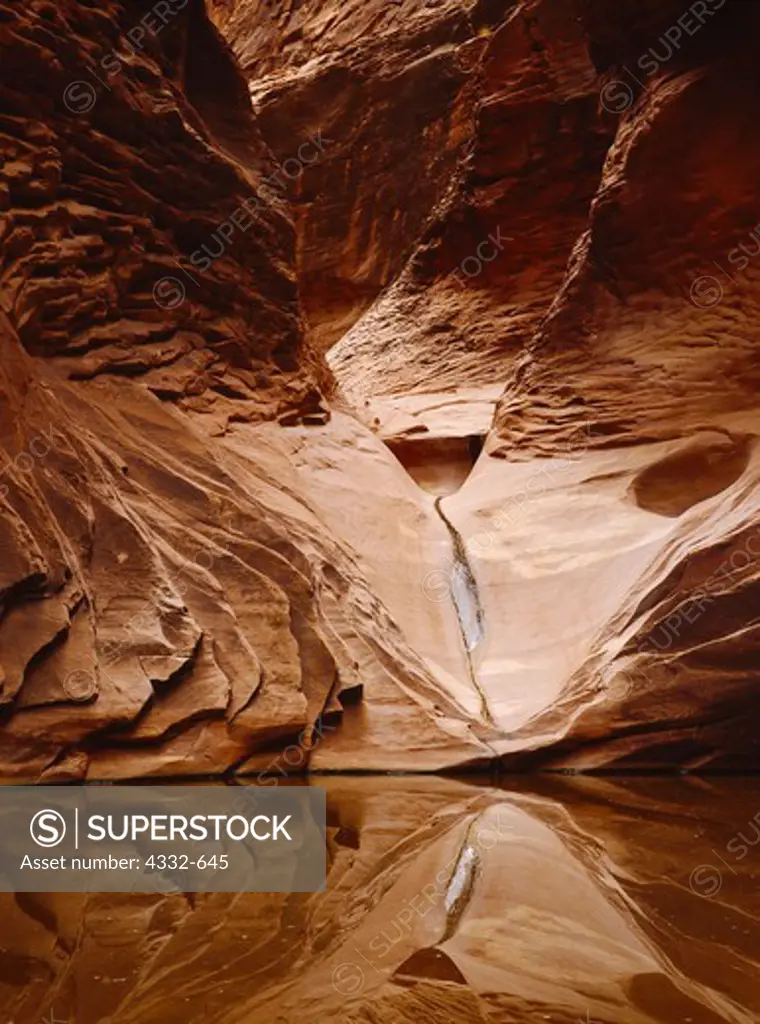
column 547, row 899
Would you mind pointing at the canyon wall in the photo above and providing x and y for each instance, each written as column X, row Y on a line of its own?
column 273, row 275
column 170, row 603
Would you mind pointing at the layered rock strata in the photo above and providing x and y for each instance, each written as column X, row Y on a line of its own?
column 253, row 348
column 169, row 603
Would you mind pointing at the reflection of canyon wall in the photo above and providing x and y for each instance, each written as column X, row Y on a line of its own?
column 200, row 557
column 445, row 903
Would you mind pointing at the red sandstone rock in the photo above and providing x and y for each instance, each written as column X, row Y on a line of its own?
column 168, row 605
column 210, row 556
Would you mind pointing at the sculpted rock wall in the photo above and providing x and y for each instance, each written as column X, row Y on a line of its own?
column 168, row 603
column 650, row 351
column 493, row 257
column 211, row 560
column 594, row 251
column 465, row 136
column 392, row 87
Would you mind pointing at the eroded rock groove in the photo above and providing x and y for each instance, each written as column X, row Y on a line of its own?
column 466, row 601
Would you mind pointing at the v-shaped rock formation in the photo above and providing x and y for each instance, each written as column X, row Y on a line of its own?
column 278, row 279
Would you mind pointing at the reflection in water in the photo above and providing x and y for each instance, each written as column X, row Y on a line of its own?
column 564, row 900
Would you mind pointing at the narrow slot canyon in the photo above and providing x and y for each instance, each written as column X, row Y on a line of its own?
column 379, row 419
column 353, row 367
